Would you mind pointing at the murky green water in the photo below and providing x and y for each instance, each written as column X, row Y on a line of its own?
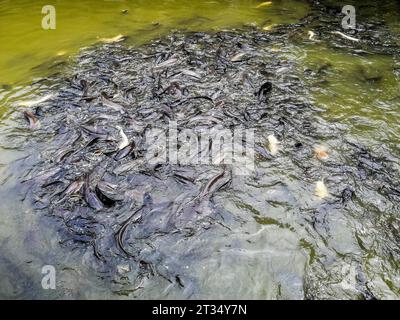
column 356, row 94
column 28, row 50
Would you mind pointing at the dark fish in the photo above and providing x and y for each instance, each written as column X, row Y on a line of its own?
column 110, row 190
column 108, row 103
column 95, row 131
column 166, row 110
column 84, row 86
column 91, row 198
column 373, row 79
column 96, row 251
column 264, row 153
column 183, row 179
column 124, row 152
column 208, row 188
column 74, row 187
column 62, row 154
column 264, row 92
column 121, row 232
column 34, row 122
column 39, row 111
column 347, row 195
column 92, row 141
column 108, row 202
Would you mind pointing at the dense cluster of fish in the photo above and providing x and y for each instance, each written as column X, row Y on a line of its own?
column 367, row 37
column 135, row 217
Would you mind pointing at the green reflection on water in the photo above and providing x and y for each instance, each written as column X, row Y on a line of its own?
column 28, row 50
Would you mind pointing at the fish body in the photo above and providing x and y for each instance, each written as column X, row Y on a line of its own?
column 273, row 144
column 208, row 188
column 311, row 35
column 110, row 190
column 91, row 198
column 74, row 187
column 268, row 27
column 111, row 104
column 191, row 74
column 124, row 152
column 238, row 57
column 264, row 4
column 34, row 122
column 265, row 91
column 117, row 38
column 166, row 64
column 345, row 36
column 321, row 191
column 31, row 103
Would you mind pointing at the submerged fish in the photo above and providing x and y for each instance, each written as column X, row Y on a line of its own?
column 74, row 187
column 321, row 191
column 31, row 103
column 33, row 121
column 345, row 36
column 90, row 197
column 311, row 35
column 268, row 27
column 273, row 144
column 117, row 38
column 108, row 103
column 61, row 53
column 264, row 4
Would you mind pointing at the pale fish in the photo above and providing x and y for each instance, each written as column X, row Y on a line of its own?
column 167, row 64
column 61, row 53
column 321, row 191
column 321, row 152
column 191, row 74
column 345, row 36
column 117, row 38
column 33, row 121
column 264, row 4
column 238, row 57
column 268, row 27
column 311, row 35
column 273, row 144
column 124, row 142
column 32, row 103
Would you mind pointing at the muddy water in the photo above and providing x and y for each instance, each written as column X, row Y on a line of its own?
column 271, row 237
